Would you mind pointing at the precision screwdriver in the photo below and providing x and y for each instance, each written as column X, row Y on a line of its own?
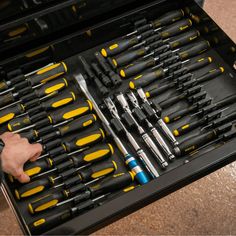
column 151, row 61
column 27, row 93
column 40, row 77
column 146, row 138
column 174, row 29
column 109, row 185
column 156, row 89
column 48, row 133
column 147, row 106
column 148, row 77
column 64, row 114
column 165, row 19
column 129, row 159
column 67, row 177
column 154, row 131
column 199, row 140
column 141, row 154
column 204, row 111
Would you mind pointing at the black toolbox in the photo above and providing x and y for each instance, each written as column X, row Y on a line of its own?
column 62, row 30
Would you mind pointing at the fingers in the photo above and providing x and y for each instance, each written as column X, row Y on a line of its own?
column 6, row 136
column 36, row 150
column 23, row 177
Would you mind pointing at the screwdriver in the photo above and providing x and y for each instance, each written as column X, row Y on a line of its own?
column 67, row 173
column 130, row 161
column 123, row 44
column 82, row 140
column 156, row 134
column 199, row 140
column 174, row 29
column 165, row 19
column 40, row 77
column 195, row 124
column 27, row 94
column 148, row 107
column 48, row 134
column 141, row 65
column 117, row 182
column 140, row 152
column 53, row 103
column 184, row 95
column 181, row 113
column 64, row 114
column 94, row 79
column 156, row 89
column 74, row 159
column 148, row 77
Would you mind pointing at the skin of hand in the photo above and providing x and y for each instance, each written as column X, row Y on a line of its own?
column 16, row 152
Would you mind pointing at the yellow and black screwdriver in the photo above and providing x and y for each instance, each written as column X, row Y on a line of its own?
column 48, row 133
column 144, row 31
column 66, row 178
column 157, row 89
column 141, row 65
column 63, row 99
column 64, row 114
column 145, row 79
column 108, row 185
column 28, row 93
column 40, row 77
column 172, row 30
column 74, row 159
column 193, row 143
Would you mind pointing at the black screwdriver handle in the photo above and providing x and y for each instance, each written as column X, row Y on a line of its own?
column 210, row 75
column 159, row 90
column 168, row 18
column 228, row 100
column 7, row 99
column 196, row 49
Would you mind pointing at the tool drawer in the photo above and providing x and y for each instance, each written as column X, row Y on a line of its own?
column 130, row 103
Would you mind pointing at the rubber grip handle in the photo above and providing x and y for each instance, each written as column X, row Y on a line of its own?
column 210, row 75
column 198, row 64
column 45, row 202
column 48, row 73
column 112, row 183
column 18, row 123
column 137, row 67
column 3, row 86
column 144, row 79
column 32, row 188
column 97, row 153
column 85, row 139
column 171, row 101
column 195, row 142
column 119, row 46
column 9, row 113
column 128, row 57
column 227, row 101
column 196, row 49
column 71, row 111
column 37, row 167
column 31, row 135
column 184, row 39
column 6, row 99
column 51, row 87
column 159, row 90
column 168, row 18
column 176, row 28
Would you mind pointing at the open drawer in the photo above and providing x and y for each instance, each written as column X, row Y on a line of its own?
column 90, row 36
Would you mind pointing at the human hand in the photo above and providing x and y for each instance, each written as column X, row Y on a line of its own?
column 16, row 152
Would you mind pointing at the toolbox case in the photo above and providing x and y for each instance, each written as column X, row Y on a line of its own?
column 86, row 26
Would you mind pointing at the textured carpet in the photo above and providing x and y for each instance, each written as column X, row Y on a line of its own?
column 206, row 207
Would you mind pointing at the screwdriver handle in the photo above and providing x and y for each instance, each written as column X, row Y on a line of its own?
column 85, row 139
column 210, row 75
column 6, row 99
column 228, row 100
column 48, row 73
column 168, row 18
column 31, row 135
column 159, row 90
column 184, row 39
column 146, row 78
column 176, row 28
column 172, row 100
column 9, row 113
column 196, row 49
column 71, row 111
column 3, row 85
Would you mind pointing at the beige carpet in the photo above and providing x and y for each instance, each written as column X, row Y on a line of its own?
column 206, row 207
